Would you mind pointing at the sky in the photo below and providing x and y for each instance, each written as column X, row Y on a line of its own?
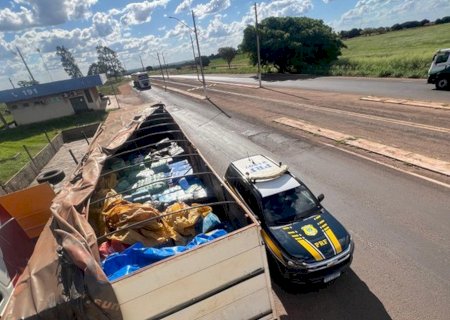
column 143, row 28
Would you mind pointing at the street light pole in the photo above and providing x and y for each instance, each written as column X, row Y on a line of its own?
column 165, row 65
column 45, row 65
column 162, row 72
column 192, row 44
column 199, row 56
column 257, row 46
column 142, row 64
column 26, row 66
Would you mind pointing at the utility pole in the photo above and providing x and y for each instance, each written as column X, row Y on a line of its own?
column 12, row 84
column 165, row 65
column 142, row 64
column 162, row 72
column 199, row 56
column 26, row 66
column 192, row 44
column 45, row 65
column 257, row 46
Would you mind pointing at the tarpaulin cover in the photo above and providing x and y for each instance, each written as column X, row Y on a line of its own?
column 64, row 278
column 138, row 256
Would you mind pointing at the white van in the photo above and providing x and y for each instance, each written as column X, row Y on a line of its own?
column 439, row 72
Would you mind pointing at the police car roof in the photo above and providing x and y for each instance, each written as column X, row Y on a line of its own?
column 274, row 186
column 259, row 167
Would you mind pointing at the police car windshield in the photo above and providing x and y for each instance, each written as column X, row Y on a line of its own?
column 288, row 206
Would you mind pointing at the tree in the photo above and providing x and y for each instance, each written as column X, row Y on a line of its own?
column 149, row 68
column 228, row 54
column 96, row 68
column 205, row 61
column 108, row 61
column 25, row 83
column 68, row 62
column 291, row 43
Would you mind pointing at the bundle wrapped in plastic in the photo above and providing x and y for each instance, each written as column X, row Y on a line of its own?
column 184, row 221
column 119, row 213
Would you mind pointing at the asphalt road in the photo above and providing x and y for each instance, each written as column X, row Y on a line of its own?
column 400, row 223
column 415, row 89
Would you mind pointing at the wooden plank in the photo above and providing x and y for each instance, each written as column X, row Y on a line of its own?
column 194, row 285
column 244, row 301
column 171, row 270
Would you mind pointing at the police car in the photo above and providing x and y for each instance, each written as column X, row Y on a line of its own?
column 305, row 242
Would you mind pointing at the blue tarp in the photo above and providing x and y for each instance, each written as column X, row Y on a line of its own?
column 137, row 256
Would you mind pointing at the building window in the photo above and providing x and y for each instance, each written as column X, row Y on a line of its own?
column 88, row 96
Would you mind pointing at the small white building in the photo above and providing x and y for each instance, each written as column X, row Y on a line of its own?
column 54, row 99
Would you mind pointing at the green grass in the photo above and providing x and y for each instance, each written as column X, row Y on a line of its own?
column 106, row 88
column 404, row 53
column 6, row 115
column 12, row 154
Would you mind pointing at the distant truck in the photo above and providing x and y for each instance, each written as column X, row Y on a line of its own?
column 141, row 80
column 439, row 72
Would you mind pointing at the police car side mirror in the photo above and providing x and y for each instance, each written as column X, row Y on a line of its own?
column 320, row 197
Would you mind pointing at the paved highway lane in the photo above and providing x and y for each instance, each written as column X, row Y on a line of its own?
column 400, row 224
column 414, row 89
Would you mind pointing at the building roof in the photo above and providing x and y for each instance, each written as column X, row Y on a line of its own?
column 51, row 88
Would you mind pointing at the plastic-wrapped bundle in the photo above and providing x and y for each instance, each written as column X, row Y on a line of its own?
column 161, row 165
column 118, row 164
column 122, row 185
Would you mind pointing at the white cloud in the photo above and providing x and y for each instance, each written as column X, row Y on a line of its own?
column 103, row 25
column 376, row 13
column 36, row 13
column 183, row 6
column 213, row 6
column 138, row 12
column 284, row 8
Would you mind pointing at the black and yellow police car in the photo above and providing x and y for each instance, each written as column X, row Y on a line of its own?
column 305, row 242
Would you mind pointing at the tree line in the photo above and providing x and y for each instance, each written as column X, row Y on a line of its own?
column 356, row 32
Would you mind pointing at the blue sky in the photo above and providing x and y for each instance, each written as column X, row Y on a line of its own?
column 143, row 28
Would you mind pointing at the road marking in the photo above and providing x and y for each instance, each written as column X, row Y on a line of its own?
column 415, row 159
column 416, row 175
column 336, row 111
column 349, row 113
column 425, row 104
column 358, row 155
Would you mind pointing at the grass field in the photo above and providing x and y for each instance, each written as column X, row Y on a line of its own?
column 12, row 155
column 404, row 53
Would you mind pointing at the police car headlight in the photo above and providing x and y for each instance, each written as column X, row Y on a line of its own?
column 291, row 263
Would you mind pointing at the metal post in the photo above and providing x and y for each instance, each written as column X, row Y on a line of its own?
column 195, row 61
column 257, row 46
column 142, row 64
column 73, row 156
column 12, row 84
column 31, row 158
column 199, row 56
column 192, row 44
column 115, row 96
column 165, row 65
column 85, row 137
column 162, row 72
column 45, row 65
column 26, row 66
column 50, row 141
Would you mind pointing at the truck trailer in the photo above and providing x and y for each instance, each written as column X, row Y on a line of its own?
column 146, row 229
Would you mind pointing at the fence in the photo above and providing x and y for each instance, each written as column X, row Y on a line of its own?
column 30, row 171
